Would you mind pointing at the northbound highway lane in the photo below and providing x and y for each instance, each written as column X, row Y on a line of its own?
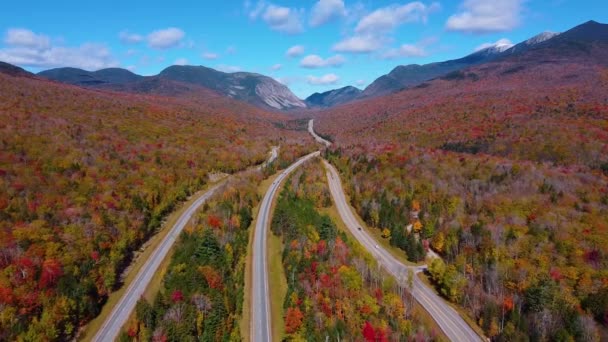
column 261, row 316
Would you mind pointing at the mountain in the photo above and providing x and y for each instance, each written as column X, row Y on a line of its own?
column 249, row 87
column 252, row 88
column 12, row 70
column 550, row 92
column 333, row 97
column 85, row 78
column 405, row 76
column 411, row 75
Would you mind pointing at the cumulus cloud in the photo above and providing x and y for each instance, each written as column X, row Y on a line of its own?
column 29, row 49
column 283, row 19
column 26, row 38
column 276, row 67
column 358, row 44
column 389, row 18
column 210, row 56
column 165, row 38
column 481, row 16
column 374, row 30
column 326, row 10
column 316, row 61
column 295, row 51
column 130, row 38
column 180, row 61
column 279, row 18
column 501, row 44
column 405, row 50
column 323, row 80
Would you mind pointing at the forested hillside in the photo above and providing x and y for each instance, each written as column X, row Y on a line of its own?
column 502, row 170
column 87, row 177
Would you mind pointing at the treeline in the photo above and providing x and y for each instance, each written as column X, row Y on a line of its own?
column 335, row 290
column 524, row 245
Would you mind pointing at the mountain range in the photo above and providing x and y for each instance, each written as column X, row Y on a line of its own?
column 256, row 89
column 265, row 92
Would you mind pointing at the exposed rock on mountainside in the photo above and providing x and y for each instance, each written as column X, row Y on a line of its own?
column 249, row 87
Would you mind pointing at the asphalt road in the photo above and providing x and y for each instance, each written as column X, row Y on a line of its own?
column 260, row 315
column 317, row 138
column 121, row 312
column 454, row 327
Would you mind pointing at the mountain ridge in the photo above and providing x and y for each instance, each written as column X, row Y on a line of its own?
column 252, row 88
column 333, row 97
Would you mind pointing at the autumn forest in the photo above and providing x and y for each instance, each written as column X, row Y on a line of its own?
column 490, row 181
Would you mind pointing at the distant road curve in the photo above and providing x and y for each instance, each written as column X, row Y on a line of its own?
column 123, row 309
column 317, row 138
column 454, row 327
column 260, row 330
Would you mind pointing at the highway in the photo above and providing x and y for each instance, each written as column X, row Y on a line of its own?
column 450, row 322
column 121, row 312
column 260, row 308
column 317, row 138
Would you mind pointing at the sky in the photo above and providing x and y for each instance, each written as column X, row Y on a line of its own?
column 309, row 45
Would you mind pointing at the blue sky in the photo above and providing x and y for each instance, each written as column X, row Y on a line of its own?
column 331, row 43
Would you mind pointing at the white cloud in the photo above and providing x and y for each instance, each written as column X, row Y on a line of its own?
column 295, row 51
column 28, row 49
column 228, row 68
column 130, row 38
column 315, row 61
column 87, row 56
column 276, row 67
column 210, row 55
column 360, row 83
column 256, row 11
column 180, row 61
column 501, row 45
column 166, row 38
column 323, row 80
column 406, row 50
column 279, row 18
column 482, row 16
column 283, row 19
column 326, row 10
column 358, row 44
column 388, row 18
column 27, row 39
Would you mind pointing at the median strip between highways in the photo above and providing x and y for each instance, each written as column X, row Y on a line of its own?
column 450, row 322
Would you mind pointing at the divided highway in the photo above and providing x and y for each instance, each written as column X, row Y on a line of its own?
column 454, row 327
column 260, row 330
column 121, row 312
